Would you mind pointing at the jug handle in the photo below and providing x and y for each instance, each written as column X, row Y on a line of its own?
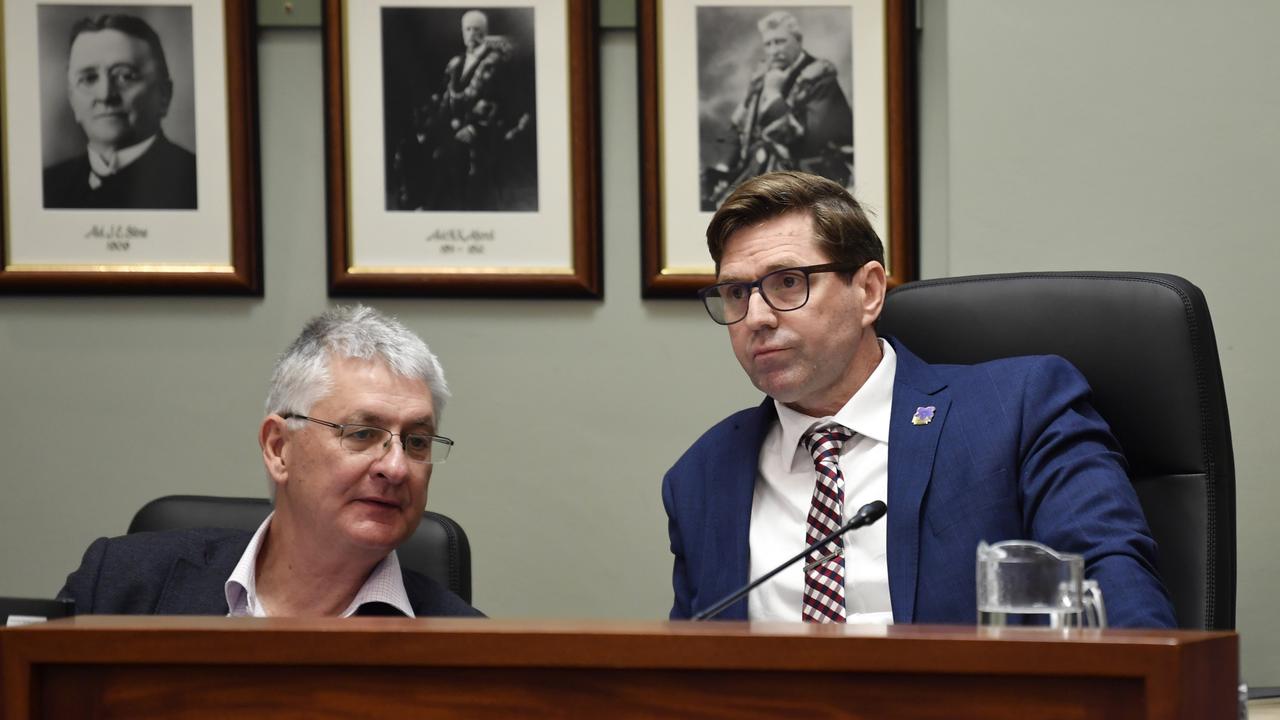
column 1094, row 611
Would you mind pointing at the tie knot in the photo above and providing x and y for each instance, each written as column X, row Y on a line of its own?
column 825, row 442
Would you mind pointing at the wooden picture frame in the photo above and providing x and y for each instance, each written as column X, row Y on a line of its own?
column 698, row 60
column 176, row 211
column 456, row 175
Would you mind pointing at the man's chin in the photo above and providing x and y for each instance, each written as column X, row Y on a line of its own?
column 378, row 536
column 111, row 140
column 782, row 389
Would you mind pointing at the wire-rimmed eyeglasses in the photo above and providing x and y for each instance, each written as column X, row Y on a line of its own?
column 367, row 439
column 784, row 290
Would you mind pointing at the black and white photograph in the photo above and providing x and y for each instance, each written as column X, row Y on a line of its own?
column 459, row 107
column 117, row 107
column 774, row 93
column 732, row 89
column 462, row 148
column 130, row 148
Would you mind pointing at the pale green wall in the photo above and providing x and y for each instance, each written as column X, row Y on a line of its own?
column 1126, row 135
column 1055, row 135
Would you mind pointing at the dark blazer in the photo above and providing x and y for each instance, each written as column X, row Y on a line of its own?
column 182, row 572
column 1014, row 451
column 162, row 178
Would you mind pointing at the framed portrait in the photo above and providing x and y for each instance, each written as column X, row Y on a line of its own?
column 129, row 148
column 462, row 148
column 731, row 89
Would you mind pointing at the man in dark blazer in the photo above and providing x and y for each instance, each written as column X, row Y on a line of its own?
column 349, row 443
column 120, row 90
column 184, row 572
column 1004, row 450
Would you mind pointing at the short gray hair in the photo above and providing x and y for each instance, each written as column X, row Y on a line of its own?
column 476, row 13
column 780, row 19
column 301, row 376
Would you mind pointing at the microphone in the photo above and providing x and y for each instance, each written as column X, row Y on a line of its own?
column 866, row 515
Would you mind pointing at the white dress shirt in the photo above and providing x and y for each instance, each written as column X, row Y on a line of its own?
column 784, row 493
column 384, row 585
column 101, row 166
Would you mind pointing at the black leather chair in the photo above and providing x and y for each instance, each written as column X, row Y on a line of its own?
column 22, row 611
column 1146, row 344
column 437, row 549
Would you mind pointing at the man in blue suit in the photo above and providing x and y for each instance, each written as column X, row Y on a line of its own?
column 1002, row 450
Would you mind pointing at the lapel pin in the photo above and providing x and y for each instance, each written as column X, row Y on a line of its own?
column 924, row 415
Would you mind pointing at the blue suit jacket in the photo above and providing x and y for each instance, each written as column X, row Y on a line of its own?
column 1015, row 450
column 182, row 572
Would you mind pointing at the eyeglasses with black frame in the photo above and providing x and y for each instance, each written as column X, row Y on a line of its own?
column 366, row 439
column 784, row 290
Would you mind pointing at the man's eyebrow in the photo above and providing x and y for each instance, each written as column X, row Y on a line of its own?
column 772, row 267
column 361, row 417
column 426, row 422
column 94, row 65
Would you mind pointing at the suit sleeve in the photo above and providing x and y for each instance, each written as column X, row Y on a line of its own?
column 82, row 585
column 828, row 117
column 679, row 574
column 1077, row 496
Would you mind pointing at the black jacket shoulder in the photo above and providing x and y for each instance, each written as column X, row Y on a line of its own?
column 431, row 599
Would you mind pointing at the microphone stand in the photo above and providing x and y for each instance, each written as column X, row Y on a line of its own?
column 866, row 515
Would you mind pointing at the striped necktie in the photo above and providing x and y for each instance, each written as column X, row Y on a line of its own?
column 824, row 567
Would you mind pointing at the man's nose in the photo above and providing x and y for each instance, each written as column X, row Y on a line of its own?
column 393, row 464
column 106, row 89
column 759, row 313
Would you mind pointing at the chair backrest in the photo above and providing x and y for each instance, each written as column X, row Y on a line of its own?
column 24, row 611
column 1146, row 344
column 438, row 548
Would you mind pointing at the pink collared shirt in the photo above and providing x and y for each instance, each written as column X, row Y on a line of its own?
column 384, row 585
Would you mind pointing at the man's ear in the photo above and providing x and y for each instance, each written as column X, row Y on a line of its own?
column 166, row 98
column 874, row 286
column 273, row 437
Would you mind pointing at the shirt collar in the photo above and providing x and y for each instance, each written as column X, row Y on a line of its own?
column 240, row 589
column 104, row 165
column 384, row 585
column 866, row 413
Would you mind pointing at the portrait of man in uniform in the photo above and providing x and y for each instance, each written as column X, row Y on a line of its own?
column 460, row 109
column 117, row 88
column 773, row 91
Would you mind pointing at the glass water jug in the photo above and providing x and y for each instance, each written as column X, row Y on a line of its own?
column 1024, row 582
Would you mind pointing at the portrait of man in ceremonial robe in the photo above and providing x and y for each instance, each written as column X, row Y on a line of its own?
column 774, row 89
column 459, row 109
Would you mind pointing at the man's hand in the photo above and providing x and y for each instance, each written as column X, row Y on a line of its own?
column 774, row 79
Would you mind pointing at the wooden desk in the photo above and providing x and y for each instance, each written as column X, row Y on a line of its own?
column 152, row 667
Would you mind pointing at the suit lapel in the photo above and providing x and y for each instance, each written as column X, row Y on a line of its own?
column 911, row 452
column 739, row 463
column 195, row 585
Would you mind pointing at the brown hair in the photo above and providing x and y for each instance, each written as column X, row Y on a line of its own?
column 842, row 229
